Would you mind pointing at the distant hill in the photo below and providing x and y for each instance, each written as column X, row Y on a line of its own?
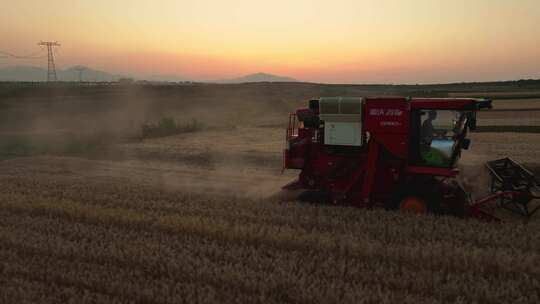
column 258, row 77
column 88, row 74
column 164, row 78
column 29, row 73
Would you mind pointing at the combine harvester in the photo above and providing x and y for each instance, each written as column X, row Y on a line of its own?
column 398, row 153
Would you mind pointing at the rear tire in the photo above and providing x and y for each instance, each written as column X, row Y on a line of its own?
column 419, row 192
column 413, row 204
column 456, row 201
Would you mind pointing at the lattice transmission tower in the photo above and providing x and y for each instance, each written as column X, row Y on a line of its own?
column 51, row 68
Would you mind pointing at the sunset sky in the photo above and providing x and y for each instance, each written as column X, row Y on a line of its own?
column 339, row 41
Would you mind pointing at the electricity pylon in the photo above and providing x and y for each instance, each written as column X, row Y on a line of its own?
column 51, row 68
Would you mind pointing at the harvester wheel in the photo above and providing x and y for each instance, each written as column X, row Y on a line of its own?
column 413, row 204
column 456, row 200
column 419, row 197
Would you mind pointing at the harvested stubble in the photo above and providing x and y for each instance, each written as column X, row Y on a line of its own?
column 522, row 104
column 110, row 241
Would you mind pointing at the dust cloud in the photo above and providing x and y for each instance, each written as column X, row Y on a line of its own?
column 95, row 134
column 474, row 175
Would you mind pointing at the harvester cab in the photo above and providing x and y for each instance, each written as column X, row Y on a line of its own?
column 394, row 152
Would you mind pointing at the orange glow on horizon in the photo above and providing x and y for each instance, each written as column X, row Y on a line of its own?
column 351, row 41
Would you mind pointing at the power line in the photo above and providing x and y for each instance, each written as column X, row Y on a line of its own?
column 51, row 68
column 32, row 55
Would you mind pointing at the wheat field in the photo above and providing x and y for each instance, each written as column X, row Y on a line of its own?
column 69, row 239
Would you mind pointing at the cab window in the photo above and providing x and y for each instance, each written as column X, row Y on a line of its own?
column 439, row 130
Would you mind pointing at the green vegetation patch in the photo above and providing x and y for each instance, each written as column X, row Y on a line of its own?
column 169, row 126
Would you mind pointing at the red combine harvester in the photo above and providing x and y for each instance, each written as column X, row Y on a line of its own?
column 398, row 153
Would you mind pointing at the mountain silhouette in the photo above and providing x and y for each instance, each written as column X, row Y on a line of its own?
column 259, row 77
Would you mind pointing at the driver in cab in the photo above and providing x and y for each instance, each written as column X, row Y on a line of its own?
column 427, row 132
